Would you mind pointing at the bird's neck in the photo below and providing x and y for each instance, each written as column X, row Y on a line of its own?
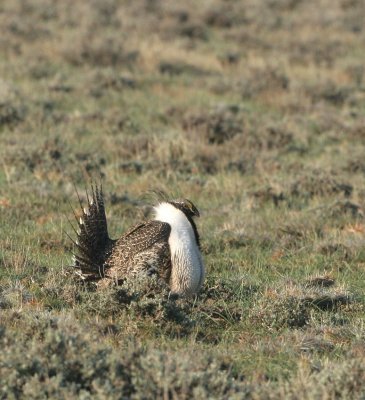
column 178, row 220
column 187, row 267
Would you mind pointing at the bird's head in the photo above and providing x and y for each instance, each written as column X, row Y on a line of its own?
column 186, row 206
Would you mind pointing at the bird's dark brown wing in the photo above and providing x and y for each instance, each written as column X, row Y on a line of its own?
column 144, row 247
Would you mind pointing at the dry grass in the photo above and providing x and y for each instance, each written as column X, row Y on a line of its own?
column 252, row 109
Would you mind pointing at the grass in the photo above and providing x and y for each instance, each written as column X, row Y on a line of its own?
column 255, row 111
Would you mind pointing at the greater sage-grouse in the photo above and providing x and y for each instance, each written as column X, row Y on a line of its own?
column 167, row 245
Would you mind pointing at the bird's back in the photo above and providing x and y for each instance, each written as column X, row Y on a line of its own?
column 144, row 248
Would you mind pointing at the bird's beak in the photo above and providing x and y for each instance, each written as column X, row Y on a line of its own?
column 196, row 212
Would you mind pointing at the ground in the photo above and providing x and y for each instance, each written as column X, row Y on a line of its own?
column 254, row 110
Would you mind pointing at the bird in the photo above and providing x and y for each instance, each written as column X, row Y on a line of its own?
column 167, row 245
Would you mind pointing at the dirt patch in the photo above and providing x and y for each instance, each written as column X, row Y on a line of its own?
column 215, row 127
column 101, row 51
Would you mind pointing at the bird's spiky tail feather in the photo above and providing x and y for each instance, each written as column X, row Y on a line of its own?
column 93, row 245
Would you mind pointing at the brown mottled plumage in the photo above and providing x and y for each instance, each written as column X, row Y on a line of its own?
column 145, row 248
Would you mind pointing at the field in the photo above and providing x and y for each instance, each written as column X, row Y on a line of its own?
column 254, row 110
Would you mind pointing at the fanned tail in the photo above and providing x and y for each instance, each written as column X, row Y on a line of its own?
column 93, row 244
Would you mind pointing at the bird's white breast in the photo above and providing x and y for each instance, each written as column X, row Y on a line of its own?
column 187, row 267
